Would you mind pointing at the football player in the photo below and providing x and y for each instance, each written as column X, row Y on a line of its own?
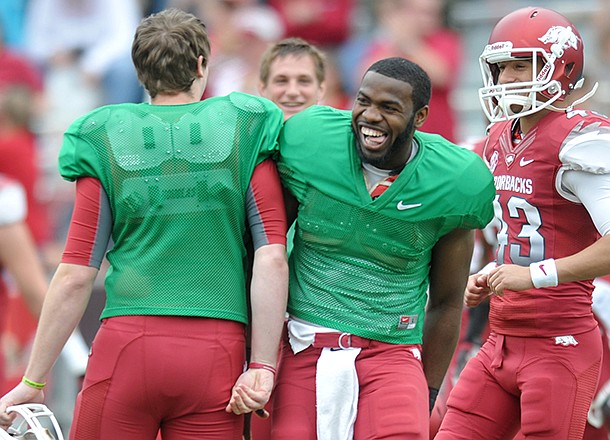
column 175, row 183
column 539, row 369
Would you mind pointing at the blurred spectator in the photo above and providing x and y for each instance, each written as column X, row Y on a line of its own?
column 12, row 14
column 20, row 254
column 601, row 65
column 415, row 29
column 23, row 285
column 83, row 48
column 19, row 154
column 92, row 36
column 21, row 98
column 241, row 33
column 322, row 22
column 18, row 260
column 16, row 69
column 335, row 93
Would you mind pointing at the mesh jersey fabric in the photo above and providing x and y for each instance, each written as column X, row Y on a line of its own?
column 361, row 265
column 176, row 178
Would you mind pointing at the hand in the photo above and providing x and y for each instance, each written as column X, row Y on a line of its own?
column 251, row 392
column 477, row 290
column 20, row 394
column 511, row 277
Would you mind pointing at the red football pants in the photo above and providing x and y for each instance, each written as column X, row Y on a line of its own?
column 151, row 373
column 532, row 383
column 393, row 397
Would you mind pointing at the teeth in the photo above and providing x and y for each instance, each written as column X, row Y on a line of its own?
column 370, row 132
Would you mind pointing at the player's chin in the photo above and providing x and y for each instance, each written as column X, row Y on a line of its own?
column 291, row 110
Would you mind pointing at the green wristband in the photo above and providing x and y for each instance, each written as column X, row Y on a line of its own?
column 31, row 383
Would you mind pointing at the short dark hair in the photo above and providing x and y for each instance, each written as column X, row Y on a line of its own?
column 165, row 50
column 409, row 72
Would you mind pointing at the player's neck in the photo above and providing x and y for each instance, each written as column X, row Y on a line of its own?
column 177, row 99
column 526, row 123
column 186, row 97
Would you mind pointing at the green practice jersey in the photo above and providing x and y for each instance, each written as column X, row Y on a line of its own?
column 176, row 177
column 360, row 265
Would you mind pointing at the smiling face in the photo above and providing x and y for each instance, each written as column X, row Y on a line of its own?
column 523, row 101
column 383, row 120
column 292, row 84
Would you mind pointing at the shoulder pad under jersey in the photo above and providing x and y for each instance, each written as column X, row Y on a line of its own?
column 251, row 103
column 587, row 148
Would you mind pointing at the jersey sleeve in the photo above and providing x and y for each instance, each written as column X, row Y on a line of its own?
column 266, row 120
column 269, row 136
column 479, row 190
column 265, row 206
column 593, row 191
column 13, row 202
column 77, row 158
column 291, row 142
column 300, row 145
column 470, row 184
column 90, row 227
column 587, row 149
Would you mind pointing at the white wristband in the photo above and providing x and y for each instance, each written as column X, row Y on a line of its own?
column 544, row 273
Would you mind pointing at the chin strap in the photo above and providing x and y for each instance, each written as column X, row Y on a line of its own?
column 578, row 101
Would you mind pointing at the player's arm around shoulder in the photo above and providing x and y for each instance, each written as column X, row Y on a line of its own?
column 448, row 275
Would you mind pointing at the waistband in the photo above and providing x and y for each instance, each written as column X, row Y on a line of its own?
column 340, row 340
column 186, row 326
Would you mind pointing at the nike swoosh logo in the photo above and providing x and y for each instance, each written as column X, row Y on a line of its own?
column 401, row 207
column 523, row 162
column 541, row 266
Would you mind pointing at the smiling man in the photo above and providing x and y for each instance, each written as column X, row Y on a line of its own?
column 367, row 264
column 292, row 75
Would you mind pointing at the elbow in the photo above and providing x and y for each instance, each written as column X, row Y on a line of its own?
column 277, row 260
column 272, row 259
column 75, row 279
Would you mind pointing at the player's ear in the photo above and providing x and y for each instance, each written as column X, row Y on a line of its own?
column 202, row 71
column 421, row 116
column 321, row 91
column 261, row 89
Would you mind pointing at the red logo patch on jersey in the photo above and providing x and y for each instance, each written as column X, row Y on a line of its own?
column 407, row 322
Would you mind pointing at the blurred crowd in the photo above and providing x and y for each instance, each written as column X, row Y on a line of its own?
column 62, row 58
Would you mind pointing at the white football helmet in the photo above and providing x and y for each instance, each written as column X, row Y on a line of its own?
column 555, row 48
column 34, row 421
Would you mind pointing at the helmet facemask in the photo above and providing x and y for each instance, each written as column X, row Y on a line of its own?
column 502, row 102
column 32, row 422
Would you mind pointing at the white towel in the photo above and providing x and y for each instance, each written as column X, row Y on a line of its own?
column 337, row 393
column 337, row 385
column 301, row 334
